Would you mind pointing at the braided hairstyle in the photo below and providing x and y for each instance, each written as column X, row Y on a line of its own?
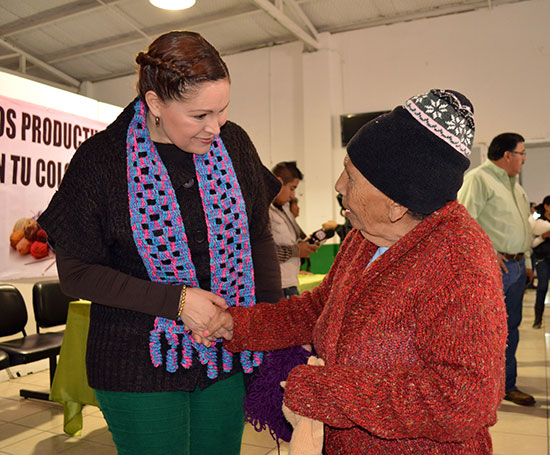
column 176, row 63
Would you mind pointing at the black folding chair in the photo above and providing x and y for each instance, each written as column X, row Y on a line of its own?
column 50, row 304
column 4, row 360
column 28, row 348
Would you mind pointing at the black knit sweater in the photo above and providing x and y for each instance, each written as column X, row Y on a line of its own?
column 88, row 222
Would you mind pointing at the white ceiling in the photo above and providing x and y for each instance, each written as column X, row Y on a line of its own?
column 67, row 42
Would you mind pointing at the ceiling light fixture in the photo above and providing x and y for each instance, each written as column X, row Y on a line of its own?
column 172, row 4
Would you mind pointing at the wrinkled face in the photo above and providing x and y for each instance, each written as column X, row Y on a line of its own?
column 367, row 208
column 287, row 191
column 191, row 124
column 516, row 158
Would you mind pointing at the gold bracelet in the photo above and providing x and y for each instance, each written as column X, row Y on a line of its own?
column 182, row 301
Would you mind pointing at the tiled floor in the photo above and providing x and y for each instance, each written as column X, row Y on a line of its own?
column 523, row 430
column 34, row 427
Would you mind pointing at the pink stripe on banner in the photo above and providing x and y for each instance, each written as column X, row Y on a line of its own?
column 426, row 121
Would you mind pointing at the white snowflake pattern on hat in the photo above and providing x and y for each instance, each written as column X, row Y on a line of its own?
column 443, row 114
column 457, row 124
column 436, row 108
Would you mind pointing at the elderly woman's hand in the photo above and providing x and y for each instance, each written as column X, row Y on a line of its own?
column 221, row 326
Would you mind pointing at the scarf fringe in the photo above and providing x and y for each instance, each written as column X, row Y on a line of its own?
column 207, row 356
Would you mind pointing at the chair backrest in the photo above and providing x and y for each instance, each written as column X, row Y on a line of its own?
column 4, row 360
column 50, row 304
column 13, row 312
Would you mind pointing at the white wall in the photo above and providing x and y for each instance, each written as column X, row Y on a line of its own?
column 290, row 102
column 499, row 58
column 269, row 105
column 118, row 91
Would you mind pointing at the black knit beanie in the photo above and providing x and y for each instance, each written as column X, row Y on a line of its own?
column 417, row 153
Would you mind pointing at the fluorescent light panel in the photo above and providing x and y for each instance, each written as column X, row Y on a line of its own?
column 172, row 4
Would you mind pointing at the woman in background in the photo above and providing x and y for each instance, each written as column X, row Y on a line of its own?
column 156, row 224
column 541, row 251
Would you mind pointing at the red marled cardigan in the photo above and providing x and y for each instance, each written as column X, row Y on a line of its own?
column 414, row 344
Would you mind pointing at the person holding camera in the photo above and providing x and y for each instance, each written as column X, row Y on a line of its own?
column 287, row 235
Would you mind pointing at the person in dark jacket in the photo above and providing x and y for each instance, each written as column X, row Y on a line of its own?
column 161, row 220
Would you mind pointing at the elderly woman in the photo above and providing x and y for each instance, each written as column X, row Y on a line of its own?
column 410, row 321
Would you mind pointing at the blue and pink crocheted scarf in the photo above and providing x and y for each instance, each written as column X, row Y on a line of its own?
column 161, row 241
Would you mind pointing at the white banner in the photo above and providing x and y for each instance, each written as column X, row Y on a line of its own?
column 36, row 145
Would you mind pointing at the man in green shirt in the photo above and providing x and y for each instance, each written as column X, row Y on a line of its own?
column 495, row 199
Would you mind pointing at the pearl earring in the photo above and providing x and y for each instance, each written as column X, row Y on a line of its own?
column 157, row 121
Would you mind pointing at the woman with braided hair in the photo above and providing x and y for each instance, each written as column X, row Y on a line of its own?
column 155, row 223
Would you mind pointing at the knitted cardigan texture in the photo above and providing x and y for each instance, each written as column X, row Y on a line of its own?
column 88, row 218
column 414, row 344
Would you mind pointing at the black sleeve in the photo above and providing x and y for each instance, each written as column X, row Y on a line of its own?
column 261, row 186
column 75, row 217
column 107, row 286
column 266, row 270
column 264, row 254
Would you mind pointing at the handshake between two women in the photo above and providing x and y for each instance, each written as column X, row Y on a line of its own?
column 206, row 316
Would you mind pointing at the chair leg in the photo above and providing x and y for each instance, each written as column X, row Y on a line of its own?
column 45, row 396
column 53, row 366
